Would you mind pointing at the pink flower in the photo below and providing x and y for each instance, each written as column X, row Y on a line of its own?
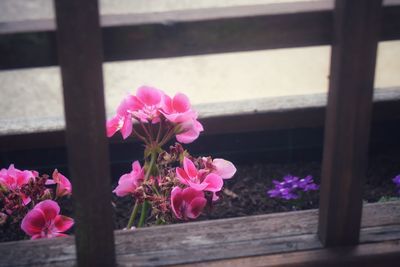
column 178, row 109
column 13, row 178
column 223, row 168
column 128, row 183
column 187, row 203
column 189, row 131
column 64, row 186
column 123, row 119
column 198, row 180
column 147, row 103
column 44, row 221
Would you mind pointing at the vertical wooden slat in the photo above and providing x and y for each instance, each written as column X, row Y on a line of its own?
column 80, row 56
column 356, row 31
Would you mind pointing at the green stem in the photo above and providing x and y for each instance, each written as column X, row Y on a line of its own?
column 133, row 215
column 159, row 132
column 143, row 213
column 167, row 137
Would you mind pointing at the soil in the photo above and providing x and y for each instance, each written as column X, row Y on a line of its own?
column 245, row 193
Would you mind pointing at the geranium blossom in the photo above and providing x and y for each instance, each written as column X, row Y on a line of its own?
column 148, row 104
column 13, row 178
column 163, row 183
column 189, row 131
column 178, row 109
column 64, row 187
column 123, row 119
column 198, row 180
column 44, row 221
column 128, row 183
column 187, row 203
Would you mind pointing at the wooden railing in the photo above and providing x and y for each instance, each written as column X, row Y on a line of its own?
column 80, row 45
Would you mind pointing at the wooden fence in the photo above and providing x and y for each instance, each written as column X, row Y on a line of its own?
column 80, row 45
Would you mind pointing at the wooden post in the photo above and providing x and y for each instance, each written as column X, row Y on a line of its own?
column 356, row 33
column 80, row 56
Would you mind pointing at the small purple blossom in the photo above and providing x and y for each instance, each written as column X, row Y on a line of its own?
column 396, row 180
column 290, row 187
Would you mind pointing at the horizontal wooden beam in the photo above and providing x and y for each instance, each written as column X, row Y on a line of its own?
column 210, row 240
column 276, row 113
column 368, row 255
column 183, row 33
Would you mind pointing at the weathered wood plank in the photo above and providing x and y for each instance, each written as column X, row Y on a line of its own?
column 208, row 240
column 348, row 116
column 218, row 118
column 381, row 254
column 189, row 32
column 80, row 54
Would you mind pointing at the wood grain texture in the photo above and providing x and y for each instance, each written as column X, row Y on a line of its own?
column 381, row 254
column 348, row 116
column 208, row 240
column 80, row 55
column 276, row 113
column 189, row 32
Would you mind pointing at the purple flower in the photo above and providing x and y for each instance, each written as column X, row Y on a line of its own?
column 290, row 187
column 396, row 180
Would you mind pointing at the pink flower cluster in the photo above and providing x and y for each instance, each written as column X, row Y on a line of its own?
column 172, row 182
column 188, row 203
column 25, row 194
column 174, row 116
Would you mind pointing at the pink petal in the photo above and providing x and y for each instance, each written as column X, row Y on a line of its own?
column 124, row 178
column 215, row 197
column 198, row 186
column 63, row 223
column 176, row 201
column 124, row 188
column 181, row 117
column 23, row 177
column 49, row 208
column 196, row 207
column 129, row 103
column 126, row 129
column 149, row 95
column 182, row 176
column 50, row 182
column 188, row 194
column 214, row 182
column 25, row 200
column 189, row 167
column 167, row 104
column 113, row 125
column 224, row 168
column 64, row 186
column 33, row 222
column 181, row 103
column 136, row 167
column 191, row 131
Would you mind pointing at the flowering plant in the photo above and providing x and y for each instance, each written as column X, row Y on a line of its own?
column 171, row 182
column 26, row 195
column 291, row 187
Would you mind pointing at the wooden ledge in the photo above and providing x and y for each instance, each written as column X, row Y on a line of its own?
column 216, row 240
